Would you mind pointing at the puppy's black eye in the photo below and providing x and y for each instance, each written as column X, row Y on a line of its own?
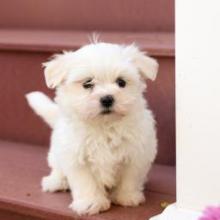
column 88, row 84
column 121, row 82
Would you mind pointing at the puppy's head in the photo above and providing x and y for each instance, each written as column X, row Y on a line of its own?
column 100, row 80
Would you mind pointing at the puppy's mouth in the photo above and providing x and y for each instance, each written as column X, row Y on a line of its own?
column 106, row 111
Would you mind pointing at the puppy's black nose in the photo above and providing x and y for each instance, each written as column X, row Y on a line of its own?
column 107, row 101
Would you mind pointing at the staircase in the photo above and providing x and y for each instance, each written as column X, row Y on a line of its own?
column 31, row 31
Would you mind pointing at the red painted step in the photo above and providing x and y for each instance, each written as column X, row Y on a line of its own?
column 22, row 167
column 156, row 43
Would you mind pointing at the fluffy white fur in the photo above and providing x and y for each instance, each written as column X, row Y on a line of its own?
column 102, row 158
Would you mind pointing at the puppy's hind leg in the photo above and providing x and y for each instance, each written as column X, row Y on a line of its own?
column 55, row 181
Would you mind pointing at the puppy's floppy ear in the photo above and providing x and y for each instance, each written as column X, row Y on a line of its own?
column 55, row 70
column 147, row 66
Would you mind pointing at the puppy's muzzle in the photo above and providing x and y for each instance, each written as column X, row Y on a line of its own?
column 107, row 101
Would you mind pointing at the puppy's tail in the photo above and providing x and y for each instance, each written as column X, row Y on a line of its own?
column 43, row 106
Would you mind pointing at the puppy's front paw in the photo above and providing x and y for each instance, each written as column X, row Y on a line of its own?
column 125, row 198
column 54, row 183
column 90, row 206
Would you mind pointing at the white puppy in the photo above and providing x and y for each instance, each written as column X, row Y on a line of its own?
column 104, row 139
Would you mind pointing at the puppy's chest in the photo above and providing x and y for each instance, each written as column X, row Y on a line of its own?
column 105, row 144
column 106, row 152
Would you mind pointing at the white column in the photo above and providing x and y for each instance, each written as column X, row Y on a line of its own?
column 197, row 108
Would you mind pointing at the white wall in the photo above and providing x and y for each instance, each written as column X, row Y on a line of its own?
column 198, row 103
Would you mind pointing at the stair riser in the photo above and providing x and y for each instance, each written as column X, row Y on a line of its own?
column 122, row 15
column 21, row 72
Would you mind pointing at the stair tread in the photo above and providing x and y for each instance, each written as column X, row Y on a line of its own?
column 22, row 167
column 156, row 43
